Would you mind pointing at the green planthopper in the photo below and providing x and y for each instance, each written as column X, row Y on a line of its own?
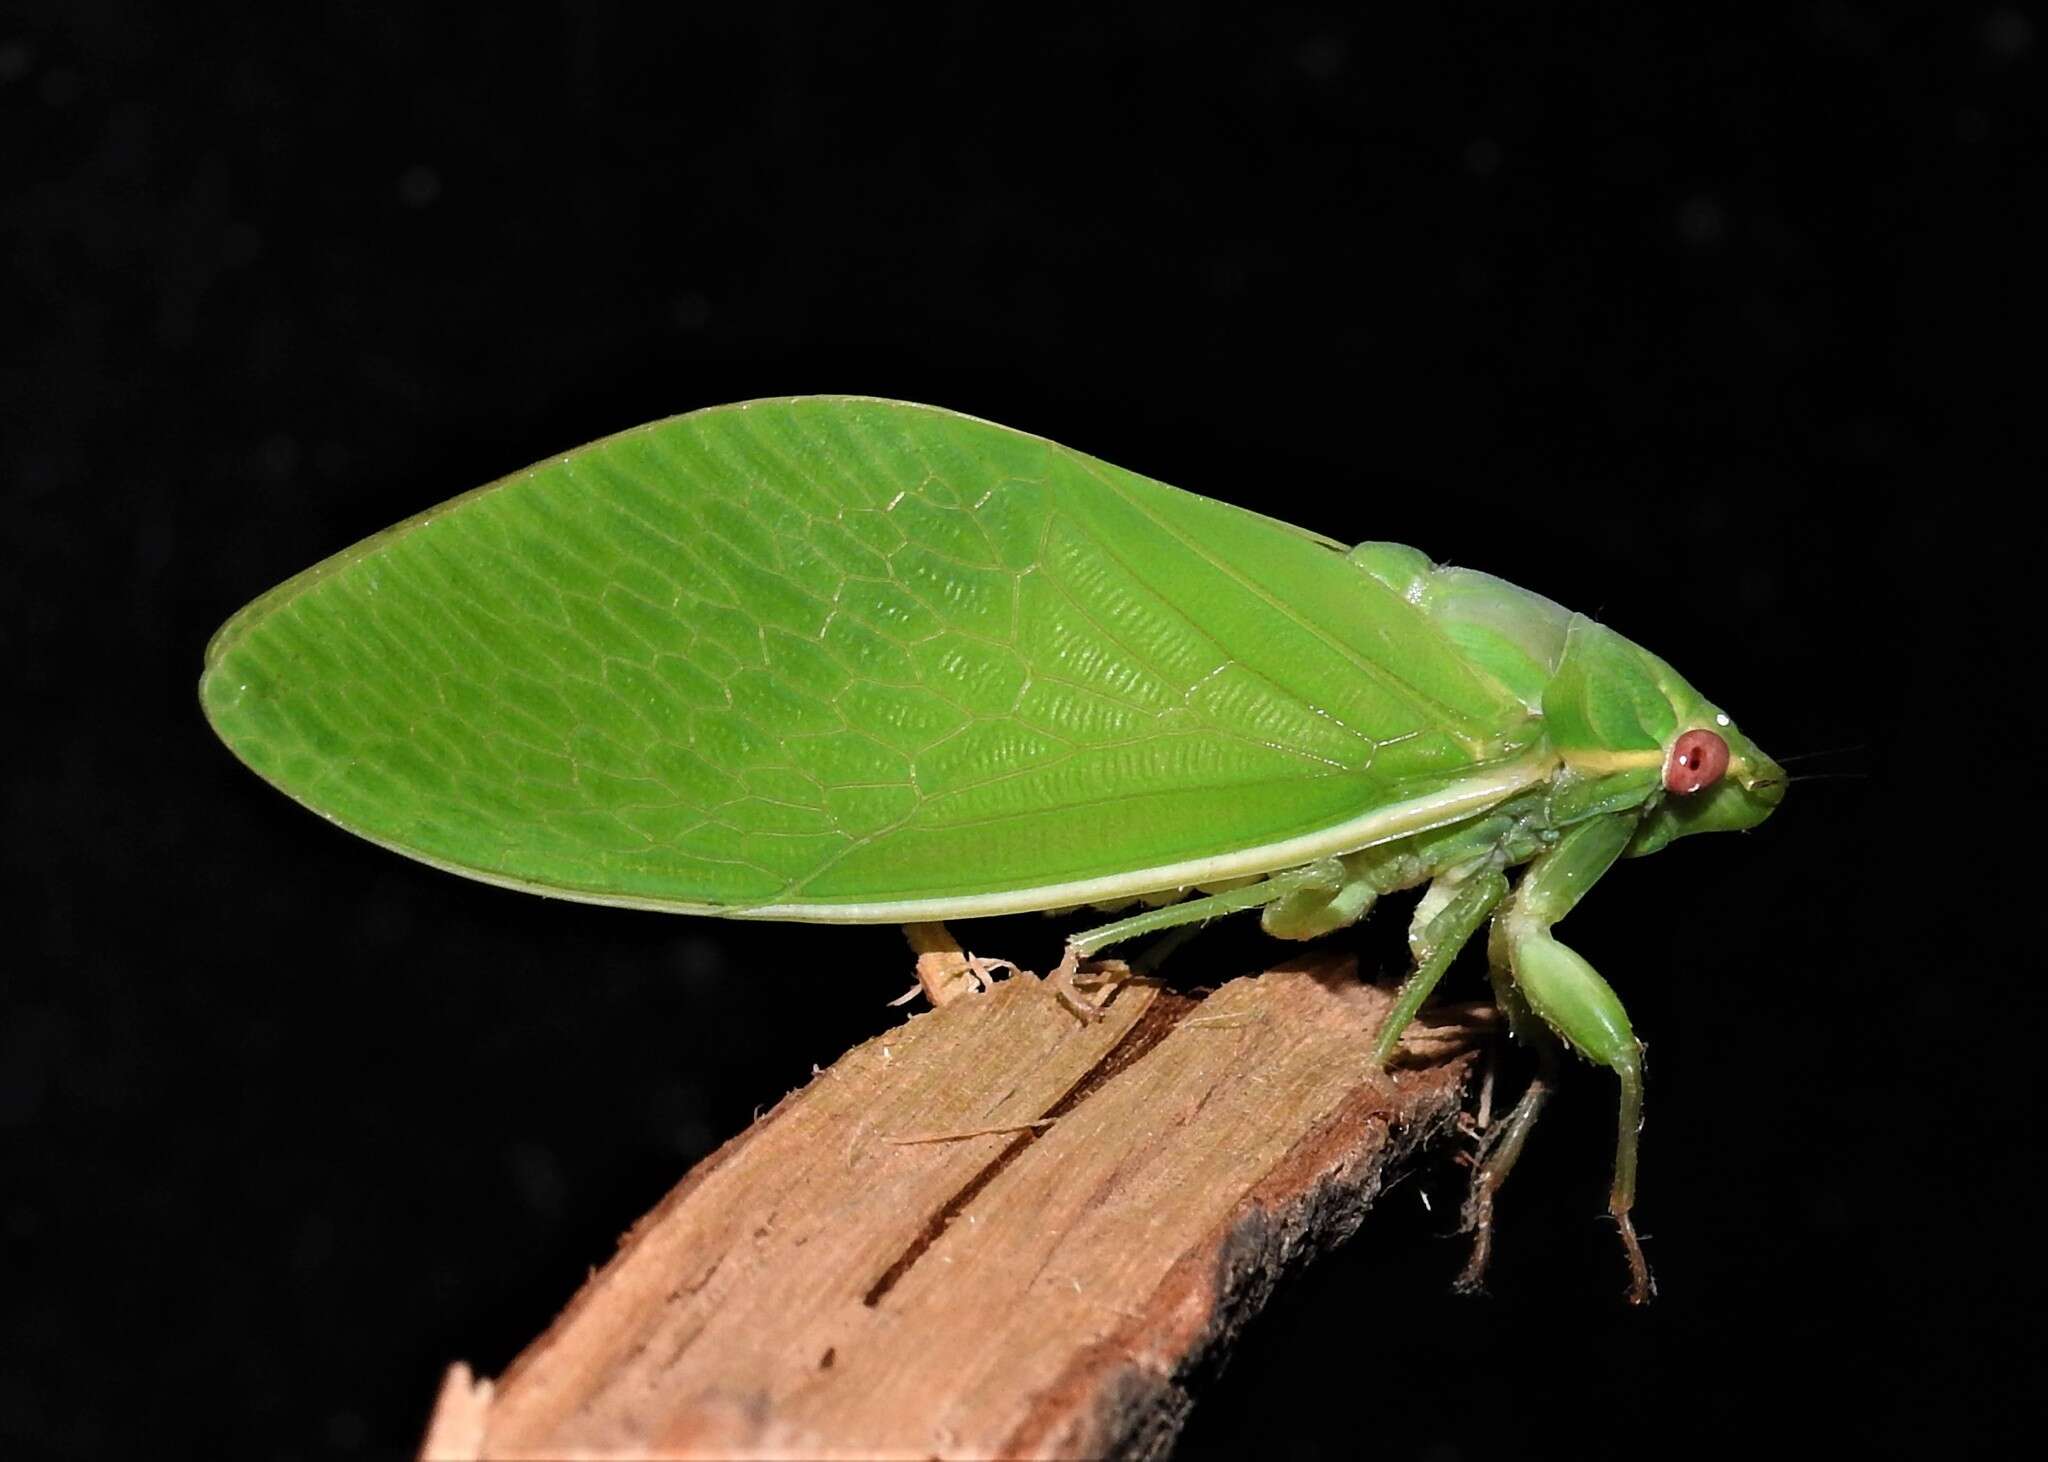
column 849, row 660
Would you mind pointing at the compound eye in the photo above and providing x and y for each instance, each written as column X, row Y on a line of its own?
column 1697, row 761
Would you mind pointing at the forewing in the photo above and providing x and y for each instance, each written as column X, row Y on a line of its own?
column 837, row 651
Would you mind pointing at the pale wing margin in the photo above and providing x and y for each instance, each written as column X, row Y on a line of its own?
column 1487, row 787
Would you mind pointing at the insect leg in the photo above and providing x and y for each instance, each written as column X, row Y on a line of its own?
column 1573, row 1001
column 1160, row 950
column 1473, row 896
column 1502, row 1146
column 945, row 971
column 1192, row 911
column 1173, row 916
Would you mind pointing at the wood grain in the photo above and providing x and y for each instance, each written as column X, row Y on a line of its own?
column 994, row 1231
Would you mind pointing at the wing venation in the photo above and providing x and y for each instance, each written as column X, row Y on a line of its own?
column 840, row 652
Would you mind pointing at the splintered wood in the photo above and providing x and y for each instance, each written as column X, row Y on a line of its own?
column 994, row 1231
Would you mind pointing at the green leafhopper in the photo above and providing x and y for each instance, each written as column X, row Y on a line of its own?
column 849, row 660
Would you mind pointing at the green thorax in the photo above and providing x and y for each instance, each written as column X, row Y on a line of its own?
column 1610, row 710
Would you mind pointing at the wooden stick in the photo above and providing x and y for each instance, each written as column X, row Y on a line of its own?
column 1108, row 1205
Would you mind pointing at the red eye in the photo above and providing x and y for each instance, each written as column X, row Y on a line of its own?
column 1697, row 761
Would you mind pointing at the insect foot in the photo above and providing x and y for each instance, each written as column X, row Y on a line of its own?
column 1641, row 1287
column 1087, row 995
column 1493, row 1161
column 945, row 971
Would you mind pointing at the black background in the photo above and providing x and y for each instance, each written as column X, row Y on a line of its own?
column 1695, row 324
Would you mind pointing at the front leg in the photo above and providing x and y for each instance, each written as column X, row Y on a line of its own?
column 1571, row 999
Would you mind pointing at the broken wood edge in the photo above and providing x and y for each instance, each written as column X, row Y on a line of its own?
column 1313, row 1200
column 461, row 1416
column 461, row 1410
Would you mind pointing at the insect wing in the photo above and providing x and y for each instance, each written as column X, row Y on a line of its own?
column 835, row 657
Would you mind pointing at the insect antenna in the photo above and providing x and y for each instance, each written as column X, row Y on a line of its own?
column 1827, row 777
column 1857, row 749
column 1858, row 768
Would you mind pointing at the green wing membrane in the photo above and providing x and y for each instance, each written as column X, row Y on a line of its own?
column 837, row 651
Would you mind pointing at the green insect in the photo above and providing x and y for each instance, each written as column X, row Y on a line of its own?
column 855, row 661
